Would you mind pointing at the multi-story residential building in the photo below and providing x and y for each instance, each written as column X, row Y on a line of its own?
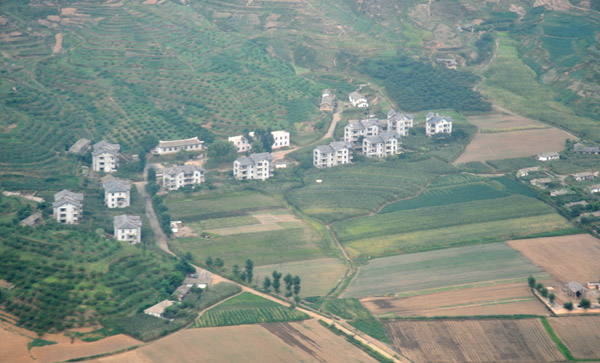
column 241, row 142
column 175, row 146
column 399, row 123
column 436, row 124
column 128, row 228
column 382, row 145
column 181, row 176
column 117, row 193
column 358, row 100
column 327, row 101
column 255, row 166
column 368, row 127
column 336, row 153
column 68, row 207
column 105, row 157
column 280, row 139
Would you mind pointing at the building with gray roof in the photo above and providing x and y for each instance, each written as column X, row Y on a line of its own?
column 436, row 124
column 399, row 123
column 336, row 153
column 80, row 147
column 67, row 207
column 128, row 228
column 105, row 157
column 117, row 193
column 253, row 167
column 367, row 127
column 382, row 145
column 182, row 176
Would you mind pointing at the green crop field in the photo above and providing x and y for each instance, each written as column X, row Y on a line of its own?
column 358, row 316
column 247, row 308
column 437, row 269
column 359, row 189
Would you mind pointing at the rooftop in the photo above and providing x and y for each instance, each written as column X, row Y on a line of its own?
column 80, row 146
column 116, row 186
column 432, row 119
column 179, row 143
column 254, row 158
column 106, row 147
column 159, row 308
column 125, row 221
column 575, row 286
column 186, row 169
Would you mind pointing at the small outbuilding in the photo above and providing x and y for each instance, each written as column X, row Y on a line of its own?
column 575, row 289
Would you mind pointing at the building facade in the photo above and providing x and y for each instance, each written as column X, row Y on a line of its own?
column 436, row 124
column 241, row 142
column 253, row 167
column 368, row 127
column 382, row 145
column 552, row 155
column 128, row 228
column 175, row 146
column 336, row 153
column 399, row 123
column 358, row 100
column 182, row 176
column 280, row 139
column 68, row 207
column 105, row 157
column 327, row 101
column 117, row 193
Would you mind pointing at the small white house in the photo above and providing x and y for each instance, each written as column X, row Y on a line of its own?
column 336, row 153
column 253, row 167
column 594, row 189
column 117, row 193
column 399, row 122
column 436, row 124
column 382, row 145
column 358, row 100
column 241, row 142
column 128, row 228
column 280, row 139
column 552, row 155
column 68, row 207
column 175, row 146
column 105, row 157
column 327, row 101
column 181, row 176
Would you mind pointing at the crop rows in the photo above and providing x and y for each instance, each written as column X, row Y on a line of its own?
column 250, row 316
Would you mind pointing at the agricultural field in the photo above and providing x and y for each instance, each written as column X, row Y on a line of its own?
column 354, row 190
column 502, row 297
column 247, row 308
column 440, row 269
column 318, row 276
column 274, row 342
column 240, row 225
column 447, row 221
column 505, row 136
column 581, row 335
column 497, row 340
column 355, row 313
column 566, row 258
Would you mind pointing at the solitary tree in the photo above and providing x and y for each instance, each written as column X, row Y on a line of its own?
column 296, row 282
column 219, row 262
column 568, row 305
column 544, row 292
column 585, row 303
column 551, row 297
column 209, row 261
column 288, row 279
column 531, row 281
column 539, row 286
column 267, row 283
column 236, row 270
column 276, row 281
column 222, row 150
column 249, row 268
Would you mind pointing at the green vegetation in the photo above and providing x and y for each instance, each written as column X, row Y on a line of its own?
column 410, row 83
column 358, row 316
column 561, row 346
column 441, row 268
column 247, row 308
column 370, row 351
column 38, row 343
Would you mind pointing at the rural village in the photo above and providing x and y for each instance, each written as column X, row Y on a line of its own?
column 299, row 181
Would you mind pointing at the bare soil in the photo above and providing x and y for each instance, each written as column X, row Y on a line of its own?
column 306, row 341
column 13, row 343
column 68, row 11
column 512, row 298
column 581, row 334
column 58, row 45
column 566, row 258
column 67, row 349
column 513, row 140
column 268, row 222
column 496, row 340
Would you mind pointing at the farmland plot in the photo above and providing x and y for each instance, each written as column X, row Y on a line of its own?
column 305, row 341
column 491, row 298
column 498, row 340
column 388, row 276
column 581, row 334
column 567, row 258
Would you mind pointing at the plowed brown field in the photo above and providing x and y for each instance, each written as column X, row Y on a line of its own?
column 566, row 258
column 581, row 334
column 507, row 299
column 306, row 341
column 498, row 340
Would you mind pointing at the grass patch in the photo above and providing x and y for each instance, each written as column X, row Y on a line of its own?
column 358, row 316
column 563, row 348
column 39, row 343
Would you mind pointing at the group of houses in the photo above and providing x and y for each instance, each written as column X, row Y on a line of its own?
column 376, row 138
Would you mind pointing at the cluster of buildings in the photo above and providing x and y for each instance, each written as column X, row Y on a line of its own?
column 280, row 139
column 376, row 138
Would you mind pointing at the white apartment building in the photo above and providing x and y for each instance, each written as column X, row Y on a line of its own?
column 117, row 193
column 436, row 124
column 175, row 146
column 128, row 228
column 280, row 139
column 399, row 123
column 253, row 167
column 336, row 153
column 241, row 142
column 181, row 176
column 105, row 157
column 368, row 127
column 358, row 100
column 382, row 145
column 68, row 207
